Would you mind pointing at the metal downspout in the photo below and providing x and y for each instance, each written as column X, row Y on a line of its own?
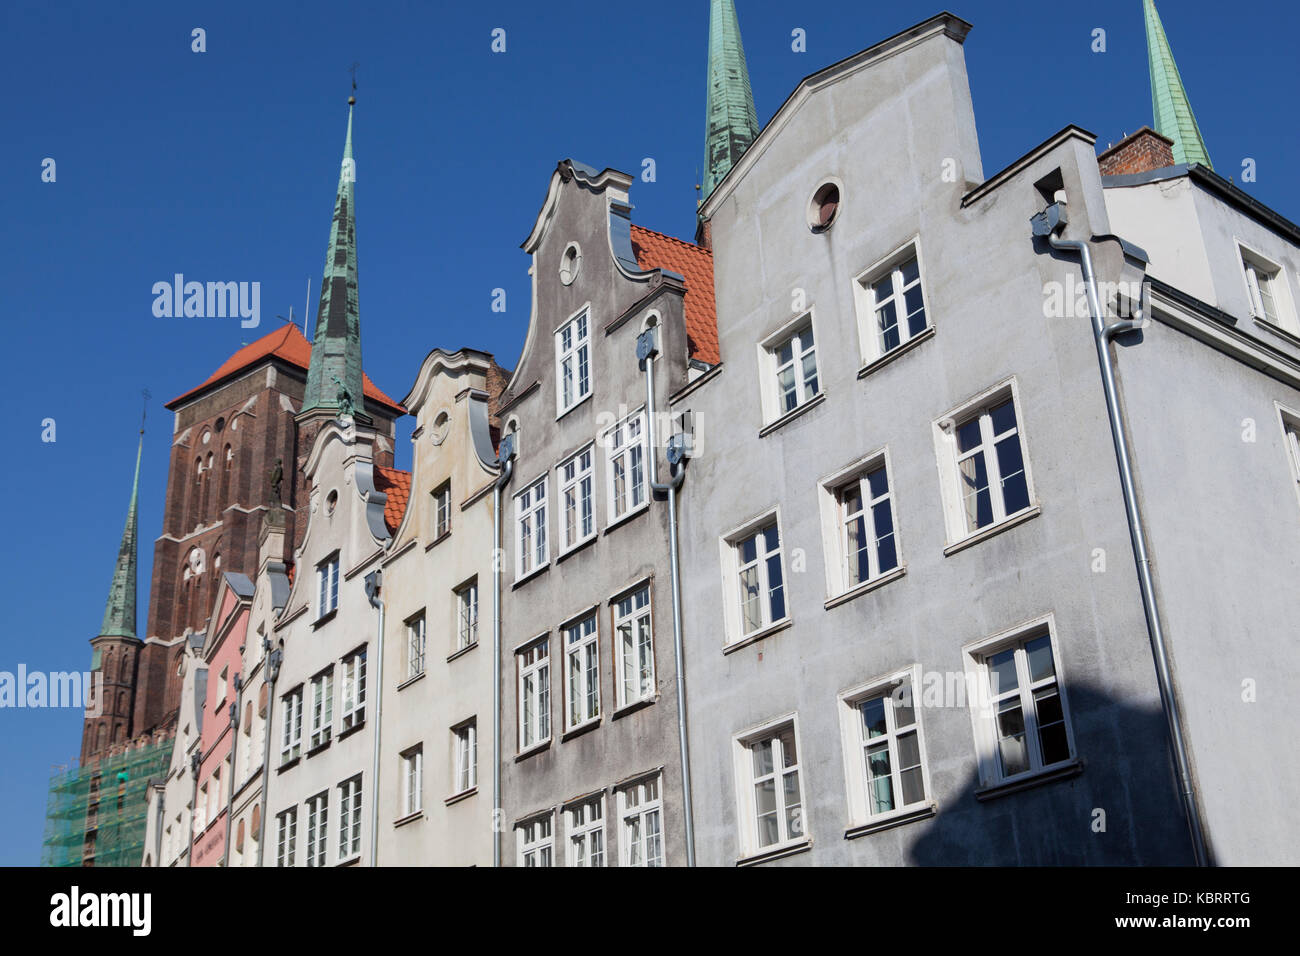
column 273, row 656
column 234, row 762
column 374, row 586
column 507, row 450
column 1102, row 334
column 196, row 762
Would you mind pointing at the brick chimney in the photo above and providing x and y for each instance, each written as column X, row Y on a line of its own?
column 1138, row 153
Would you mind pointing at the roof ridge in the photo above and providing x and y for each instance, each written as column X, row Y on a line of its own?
column 663, row 235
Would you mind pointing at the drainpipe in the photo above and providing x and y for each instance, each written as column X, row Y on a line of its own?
column 158, row 825
column 234, row 752
column 505, row 460
column 374, row 585
column 647, row 347
column 196, row 761
column 1047, row 224
column 273, row 659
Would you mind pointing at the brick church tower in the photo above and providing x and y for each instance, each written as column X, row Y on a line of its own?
column 232, row 434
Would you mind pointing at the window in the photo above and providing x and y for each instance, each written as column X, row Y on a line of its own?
column 824, row 205
column 534, row 694
column 317, row 828
column 859, row 506
column 322, row 708
column 625, row 476
column 572, row 362
column 582, row 671
column 1266, row 286
column 890, row 304
column 641, row 840
column 791, row 358
column 415, row 645
column 442, row 511
column 536, row 842
column 327, row 577
column 577, row 512
column 287, row 836
column 586, row 829
column 412, row 780
column 354, row 689
column 1023, row 723
column 987, row 480
column 634, row 647
column 291, row 734
column 570, row 262
column 770, row 790
column 465, row 752
column 1291, row 437
column 530, row 513
column 467, row 615
column 349, row 818
column 755, row 583
column 884, row 752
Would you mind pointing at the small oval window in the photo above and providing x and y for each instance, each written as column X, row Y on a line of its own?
column 570, row 263
column 824, row 207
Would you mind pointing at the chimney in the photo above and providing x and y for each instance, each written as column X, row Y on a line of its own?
column 1141, row 152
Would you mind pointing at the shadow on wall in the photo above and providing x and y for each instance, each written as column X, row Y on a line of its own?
column 1122, row 810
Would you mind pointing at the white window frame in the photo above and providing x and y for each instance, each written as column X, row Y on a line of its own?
column 580, row 639
column 467, row 614
column 792, row 835
column 626, row 448
column 318, row 829
column 834, row 523
column 536, row 706
column 892, row 688
column 865, row 304
column 580, row 489
column 531, row 512
column 412, row 770
column 291, row 725
column 350, row 807
column 327, row 585
column 584, row 843
column 1255, row 266
column 984, row 705
column 945, row 438
column 729, row 546
column 441, row 510
column 322, row 708
column 535, row 840
column 801, row 327
column 1290, row 421
column 464, row 768
column 638, row 620
column 416, row 644
column 352, row 709
column 579, row 353
column 286, row 844
column 640, row 805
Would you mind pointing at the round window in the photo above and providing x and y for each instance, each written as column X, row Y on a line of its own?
column 441, row 425
column 824, row 207
column 570, row 263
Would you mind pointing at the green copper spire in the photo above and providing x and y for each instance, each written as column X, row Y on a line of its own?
column 119, row 613
column 730, row 120
column 1173, row 113
column 336, row 346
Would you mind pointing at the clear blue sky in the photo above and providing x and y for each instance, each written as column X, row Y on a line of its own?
column 222, row 166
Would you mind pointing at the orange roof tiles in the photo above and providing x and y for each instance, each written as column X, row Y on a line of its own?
column 285, row 343
column 654, row 250
column 397, row 485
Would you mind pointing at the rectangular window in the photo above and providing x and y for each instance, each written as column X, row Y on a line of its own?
column 442, row 511
column 354, row 689
column 1266, row 286
column 582, row 671
column 534, row 694
column 577, row 507
column 770, row 790
column 412, row 780
column 865, row 526
column 1291, row 438
column 465, row 754
column 755, row 586
column 885, row 754
column 890, row 304
column 349, row 818
column 641, row 840
column 415, row 645
column 286, row 837
column 467, row 615
column 317, row 828
column 291, row 733
column 792, row 360
column 634, row 647
column 536, row 842
column 586, row 830
column 327, row 578
column 573, row 362
column 530, row 514
column 322, row 708
column 625, row 474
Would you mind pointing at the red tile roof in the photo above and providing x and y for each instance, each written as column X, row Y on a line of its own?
column 654, row 250
column 285, row 343
column 397, row 485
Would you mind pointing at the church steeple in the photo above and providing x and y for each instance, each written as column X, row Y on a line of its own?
column 1169, row 103
column 119, row 613
column 731, row 122
column 336, row 347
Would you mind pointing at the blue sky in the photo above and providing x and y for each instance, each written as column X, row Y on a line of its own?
column 222, row 166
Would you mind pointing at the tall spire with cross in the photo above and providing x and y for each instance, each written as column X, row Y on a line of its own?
column 731, row 122
column 1173, row 112
column 119, row 612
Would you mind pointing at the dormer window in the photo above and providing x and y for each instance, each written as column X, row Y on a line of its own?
column 1266, row 286
column 573, row 362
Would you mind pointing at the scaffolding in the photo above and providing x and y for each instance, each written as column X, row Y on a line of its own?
column 96, row 815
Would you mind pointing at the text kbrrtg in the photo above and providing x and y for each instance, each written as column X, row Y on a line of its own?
column 212, row 300
column 83, row 690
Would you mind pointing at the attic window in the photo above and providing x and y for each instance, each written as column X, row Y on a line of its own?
column 331, row 502
column 441, row 424
column 570, row 263
column 824, row 207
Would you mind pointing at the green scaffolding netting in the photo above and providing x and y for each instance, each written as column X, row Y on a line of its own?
column 96, row 815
